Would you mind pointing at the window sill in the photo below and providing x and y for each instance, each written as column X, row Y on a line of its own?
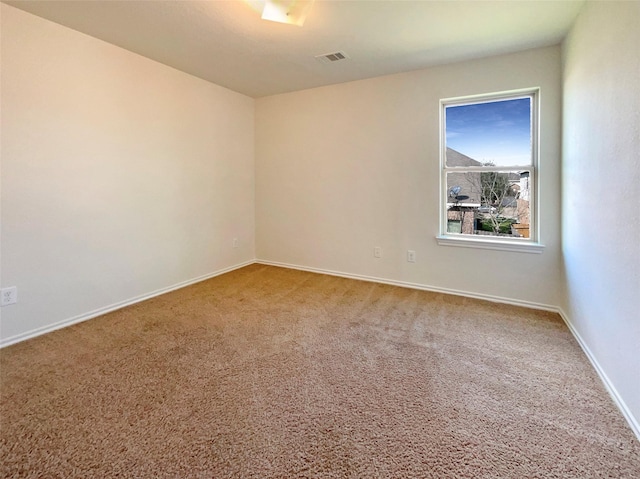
column 519, row 246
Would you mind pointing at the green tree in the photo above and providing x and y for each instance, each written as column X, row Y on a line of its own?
column 494, row 189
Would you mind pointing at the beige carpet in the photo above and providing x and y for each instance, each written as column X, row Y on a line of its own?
column 266, row 372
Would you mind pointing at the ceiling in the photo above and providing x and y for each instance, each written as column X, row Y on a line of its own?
column 226, row 42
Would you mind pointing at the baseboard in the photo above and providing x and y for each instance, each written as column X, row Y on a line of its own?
column 617, row 399
column 423, row 287
column 613, row 392
column 113, row 307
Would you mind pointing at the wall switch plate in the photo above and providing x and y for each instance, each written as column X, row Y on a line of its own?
column 235, row 243
column 377, row 252
column 411, row 256
column 8, row 296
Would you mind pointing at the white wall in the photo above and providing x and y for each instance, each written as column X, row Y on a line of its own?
column 120, row 176
column 344, row 168
column 601, row 190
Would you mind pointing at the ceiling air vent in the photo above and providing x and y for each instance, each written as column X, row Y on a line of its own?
column 332, row 57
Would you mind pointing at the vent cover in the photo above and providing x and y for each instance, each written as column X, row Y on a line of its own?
column 332, row 57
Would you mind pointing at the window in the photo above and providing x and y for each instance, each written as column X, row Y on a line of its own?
column 488, row 186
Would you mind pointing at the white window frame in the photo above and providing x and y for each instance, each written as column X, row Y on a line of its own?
column 524, row 245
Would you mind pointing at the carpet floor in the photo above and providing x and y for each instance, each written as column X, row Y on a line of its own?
column 266, row 372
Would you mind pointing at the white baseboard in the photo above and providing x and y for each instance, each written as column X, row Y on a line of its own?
column 113, row 307
column 617, row 399
column 422, row 287
column 613, row 392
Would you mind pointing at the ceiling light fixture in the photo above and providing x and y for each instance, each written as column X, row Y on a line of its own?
column 293, row 12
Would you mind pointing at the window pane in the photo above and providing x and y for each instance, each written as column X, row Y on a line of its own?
column 492, row 203
column 496, row 133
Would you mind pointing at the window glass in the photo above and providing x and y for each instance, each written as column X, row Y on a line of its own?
column 489, row 203
column 496, row 133
column 488, row 167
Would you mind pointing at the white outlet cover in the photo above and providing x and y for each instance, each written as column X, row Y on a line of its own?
column 8, row 296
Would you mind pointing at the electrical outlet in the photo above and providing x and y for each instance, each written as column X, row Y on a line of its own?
column 8, row 296
column 235, row 243
column 411, row 256
column 377, row 252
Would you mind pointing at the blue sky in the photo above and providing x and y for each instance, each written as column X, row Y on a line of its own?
column 499, row 131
